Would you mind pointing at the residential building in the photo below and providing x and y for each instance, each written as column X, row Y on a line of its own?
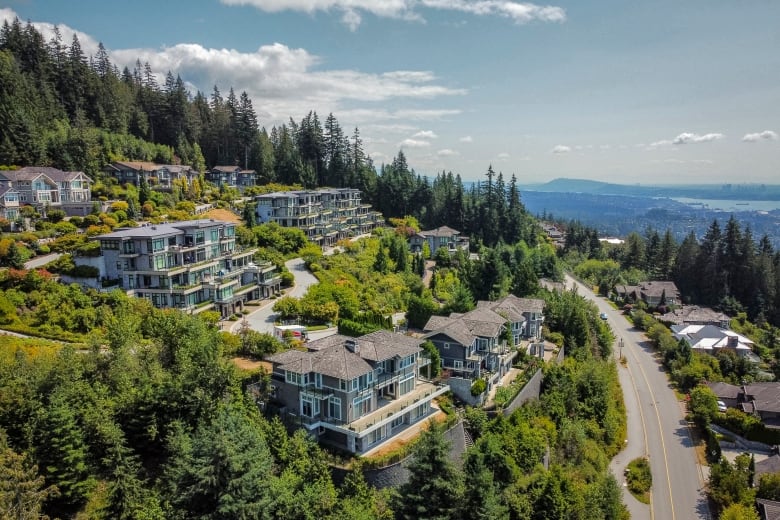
column 157, row 176
column 767, row 509
column 45, row 187
column 231, row 177
column 653, row 293
column 325, row 216
column 695, row 315
column 710, row 339
column 763, row 401
column 353, row 393
column 192, row 265
column 441, row 237
column 474, row 345
column 727, row 393
column 9, row 201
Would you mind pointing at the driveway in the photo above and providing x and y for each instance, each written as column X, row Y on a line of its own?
column 40, row 261
column 262, row 319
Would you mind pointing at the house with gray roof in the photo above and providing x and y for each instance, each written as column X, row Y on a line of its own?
column 763, row 401
column 653, row 293
column 474, row 345
column 157, row 176
column 696, row 315
column 441, row 237
column 353, row 393
column 45, row 187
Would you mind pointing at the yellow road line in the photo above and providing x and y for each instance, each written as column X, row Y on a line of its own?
column 660, row 430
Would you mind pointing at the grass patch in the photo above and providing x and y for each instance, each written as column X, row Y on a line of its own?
column 639, row 479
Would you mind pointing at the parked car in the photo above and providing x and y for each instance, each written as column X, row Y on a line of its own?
column 603, row 316
column 721, row 406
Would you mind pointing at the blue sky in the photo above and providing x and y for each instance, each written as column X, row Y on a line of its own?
column 657, row 92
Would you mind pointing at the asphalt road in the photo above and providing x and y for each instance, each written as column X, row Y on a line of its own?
column 656, row 427
column 262, row 320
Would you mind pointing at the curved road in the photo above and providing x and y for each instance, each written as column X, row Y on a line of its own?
column 262, row 320
column 656, row 426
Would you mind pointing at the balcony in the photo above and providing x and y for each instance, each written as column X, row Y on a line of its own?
column 387, row 410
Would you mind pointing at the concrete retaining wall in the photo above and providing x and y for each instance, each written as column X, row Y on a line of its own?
column 397, row 474
column 531, row 390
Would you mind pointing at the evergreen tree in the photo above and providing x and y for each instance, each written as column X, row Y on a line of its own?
column 435, row 485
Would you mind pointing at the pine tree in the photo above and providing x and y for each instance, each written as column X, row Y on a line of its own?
column 435, row 485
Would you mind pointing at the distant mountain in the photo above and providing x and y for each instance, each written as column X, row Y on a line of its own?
column 700, row 191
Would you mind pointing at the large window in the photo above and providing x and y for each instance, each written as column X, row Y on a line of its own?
column 295, row 378
column 406, row 386
column 361, row 405
column 215, row 235
column 334, row 408
column 200, row 237
column 406, row 362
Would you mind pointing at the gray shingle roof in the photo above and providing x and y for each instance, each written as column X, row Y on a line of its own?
column 456, row 330
column 331, row 357
column 725, row 390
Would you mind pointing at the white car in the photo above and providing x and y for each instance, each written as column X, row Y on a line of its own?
column 721, row 406
column 603, row 316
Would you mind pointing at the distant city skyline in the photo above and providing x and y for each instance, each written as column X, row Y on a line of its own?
column 659, row 92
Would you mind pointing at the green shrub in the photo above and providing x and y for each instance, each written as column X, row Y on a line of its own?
column 639, row 479
column 479, row 387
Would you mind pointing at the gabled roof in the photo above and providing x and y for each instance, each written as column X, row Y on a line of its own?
column 768, row 509
column 768, row 465
column 659, row 288
column 484, row 322
column 764, row 396
column 26, row 174
column 332, row 357
column 725, row 390
column 438, row 322
column 226, row 169
column 442, row 231
column 694, row 313
column 4, row 188
column 456, row 330
column 136, row 165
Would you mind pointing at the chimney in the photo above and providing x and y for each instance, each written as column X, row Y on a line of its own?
column 352, row 346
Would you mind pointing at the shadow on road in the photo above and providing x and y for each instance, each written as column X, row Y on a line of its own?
column 684, row 435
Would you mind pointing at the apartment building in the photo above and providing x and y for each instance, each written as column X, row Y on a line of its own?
column 354, row 393
column 325, row 216
column 45, row 187
column 192, row 265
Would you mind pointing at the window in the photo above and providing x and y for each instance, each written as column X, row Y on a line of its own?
column 406, row 386
column 200, row 237
column 406, row 362
column 482, row 344
column 398, row 421
column 295, row 378
column 334, row 408
column 361, row 405
column 446, row 346
column 159, row 262
column 307, row 405
column 457, row 363
column 215, row 235
column 343, row 383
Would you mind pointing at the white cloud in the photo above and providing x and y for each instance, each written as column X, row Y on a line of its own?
column 446, row 152
column 560, row 149
column 413, row 143
column 766, row 135
column 518, row 12
column 426, row 134
column 657, row 144
column 690, row 138
column 466, row 139
column 503, row 156
column 88, row 44
column 671, row 160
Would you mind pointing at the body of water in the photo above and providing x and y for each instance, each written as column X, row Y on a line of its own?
column 731, row 205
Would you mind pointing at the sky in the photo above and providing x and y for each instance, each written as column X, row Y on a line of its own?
column 653, row 92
